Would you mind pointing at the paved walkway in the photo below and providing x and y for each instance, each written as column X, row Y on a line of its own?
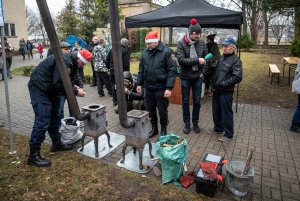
column 276, row 158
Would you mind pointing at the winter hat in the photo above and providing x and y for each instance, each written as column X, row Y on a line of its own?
column 229, row 41
column 95, row 39
column 65, row 45
column 211, row 37
column 194, row 27
column 151, row 37
column 84, row 55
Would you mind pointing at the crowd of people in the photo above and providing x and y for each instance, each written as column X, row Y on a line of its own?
column 150, row 90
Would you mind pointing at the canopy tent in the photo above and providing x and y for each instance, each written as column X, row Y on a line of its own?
column 179, row 13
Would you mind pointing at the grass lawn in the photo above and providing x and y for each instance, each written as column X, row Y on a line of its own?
column 75, row 177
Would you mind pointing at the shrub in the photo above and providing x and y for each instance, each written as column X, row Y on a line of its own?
column 136, row 56
column 88, row 79
column 294, row 49
column 245, row 42
column 28, row 70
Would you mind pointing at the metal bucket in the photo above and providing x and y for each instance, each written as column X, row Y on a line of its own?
column 238, row 184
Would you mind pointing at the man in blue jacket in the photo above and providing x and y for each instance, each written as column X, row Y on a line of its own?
column 228, row 73
column 45, row 85
column 157, row 74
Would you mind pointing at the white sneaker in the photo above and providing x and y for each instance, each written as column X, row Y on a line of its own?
column 224, row 139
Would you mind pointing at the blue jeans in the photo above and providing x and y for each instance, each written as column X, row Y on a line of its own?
column 61, row 105
column 222, row 113
column 185, row 92
column 296, row 117
column 45, row 107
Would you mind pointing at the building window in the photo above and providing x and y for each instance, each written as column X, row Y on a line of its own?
column 9, row 29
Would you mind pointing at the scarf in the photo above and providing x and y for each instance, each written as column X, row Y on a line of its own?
column 193, row 53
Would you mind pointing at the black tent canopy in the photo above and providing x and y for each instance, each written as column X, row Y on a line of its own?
column 179, row 13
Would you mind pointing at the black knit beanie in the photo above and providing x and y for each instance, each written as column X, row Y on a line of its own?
column 194, row 27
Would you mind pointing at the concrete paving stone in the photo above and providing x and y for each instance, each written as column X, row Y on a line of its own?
column 290, row 180
column 275, row 174
column 295, row 196
column 285, row 161
column 266, row 192
column 268, row 181
column 295, row 188
column 276, row 195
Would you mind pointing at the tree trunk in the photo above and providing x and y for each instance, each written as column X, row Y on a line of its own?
column 244, row 18
column 253, row 27
column 170, row 35
column 297, row 24
column 265, row 17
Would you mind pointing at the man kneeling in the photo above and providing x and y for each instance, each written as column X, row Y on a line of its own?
column 134, row 100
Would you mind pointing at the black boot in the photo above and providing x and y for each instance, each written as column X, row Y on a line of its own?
column 154, row 130
column 187, row 129
column 163, row 130
column 196, row 128
column 295, row 127
column 59, row 146
column 36, row 159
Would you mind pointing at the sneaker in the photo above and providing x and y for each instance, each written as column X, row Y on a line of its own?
column 224, row 139
column 212, row 131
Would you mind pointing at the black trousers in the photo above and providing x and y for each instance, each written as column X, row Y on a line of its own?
column 155, row 99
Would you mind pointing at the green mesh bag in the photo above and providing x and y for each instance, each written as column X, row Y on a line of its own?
column 172, row 158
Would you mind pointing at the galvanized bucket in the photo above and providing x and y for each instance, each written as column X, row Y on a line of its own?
column 238, row 184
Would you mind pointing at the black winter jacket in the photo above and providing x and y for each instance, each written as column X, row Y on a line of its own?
column 46, row 75
column 228, row 73
column 157, row 69
column 186, row 63
column 125, row 59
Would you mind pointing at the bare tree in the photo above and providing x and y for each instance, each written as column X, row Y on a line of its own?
column 35, row 25
column 280, row 26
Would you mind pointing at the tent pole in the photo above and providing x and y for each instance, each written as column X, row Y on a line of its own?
column 238, row 86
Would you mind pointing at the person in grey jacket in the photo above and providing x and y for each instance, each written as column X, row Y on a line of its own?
column 157, row 74
column 228, row 73
column 190, row 54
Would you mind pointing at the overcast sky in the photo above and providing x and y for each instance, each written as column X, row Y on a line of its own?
column 54, row 5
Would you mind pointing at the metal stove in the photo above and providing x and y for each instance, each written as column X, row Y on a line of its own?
column 138, row 135
column 96, row 125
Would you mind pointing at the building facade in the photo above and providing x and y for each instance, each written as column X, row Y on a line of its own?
column 15, row 24
column 134, row 7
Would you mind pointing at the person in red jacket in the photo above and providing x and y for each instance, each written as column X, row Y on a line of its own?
column 40, row 49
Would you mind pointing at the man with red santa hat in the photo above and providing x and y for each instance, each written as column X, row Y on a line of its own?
column 157, row 74
column 45, row 85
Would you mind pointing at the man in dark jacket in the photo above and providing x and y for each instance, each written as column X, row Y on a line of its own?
column 190, row 54
column 134, row 100
column 157, row 74
column 228, row 74
column 44, row 86
column 212, row 48
column 110, row 64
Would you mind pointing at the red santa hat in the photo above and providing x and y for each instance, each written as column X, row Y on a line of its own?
column 84, row 55
column 151, row 37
